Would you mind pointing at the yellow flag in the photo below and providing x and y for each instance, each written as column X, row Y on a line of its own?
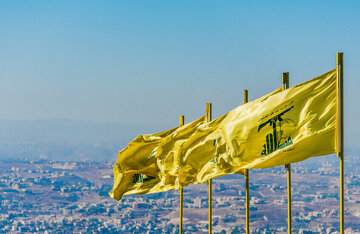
column 288, row 127
column 133, row 183
column 133, row 161
column 195, row 151
column 138, row 156
column 279, row 128
column 136, row 170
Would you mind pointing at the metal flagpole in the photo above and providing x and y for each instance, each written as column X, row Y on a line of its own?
column 181, row 123
column 246, row 174
column 285, row 81
column 288, row 167
column 340, row 131
column 208, row 115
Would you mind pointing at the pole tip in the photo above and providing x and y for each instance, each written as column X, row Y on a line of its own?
column 339, row 58
column 208, row 107
column 246, row 96
column 285, row 80
column 181, row 120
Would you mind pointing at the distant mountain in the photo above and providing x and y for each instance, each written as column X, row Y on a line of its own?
column 67, row 139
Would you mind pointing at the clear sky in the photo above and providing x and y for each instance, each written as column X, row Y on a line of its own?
column 151, row 61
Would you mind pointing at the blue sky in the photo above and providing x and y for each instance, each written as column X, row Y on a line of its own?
column 151, row 61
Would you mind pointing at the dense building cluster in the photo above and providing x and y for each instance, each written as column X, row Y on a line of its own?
column 49, row 196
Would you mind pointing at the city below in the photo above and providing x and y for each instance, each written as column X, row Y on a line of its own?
column 53, row 196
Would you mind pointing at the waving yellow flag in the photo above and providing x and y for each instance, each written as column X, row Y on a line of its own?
column 133, row 161
column 136, row 170
column 277, row 129
column 137, row 157
column 133, row 183
column 288, row 127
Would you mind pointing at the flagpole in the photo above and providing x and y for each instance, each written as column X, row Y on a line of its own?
column 340, row 131
column 208, row 115
column 181, row 123
column 285, row 81
column 246, row 174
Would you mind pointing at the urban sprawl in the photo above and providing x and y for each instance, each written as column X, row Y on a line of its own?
column 53, row 196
